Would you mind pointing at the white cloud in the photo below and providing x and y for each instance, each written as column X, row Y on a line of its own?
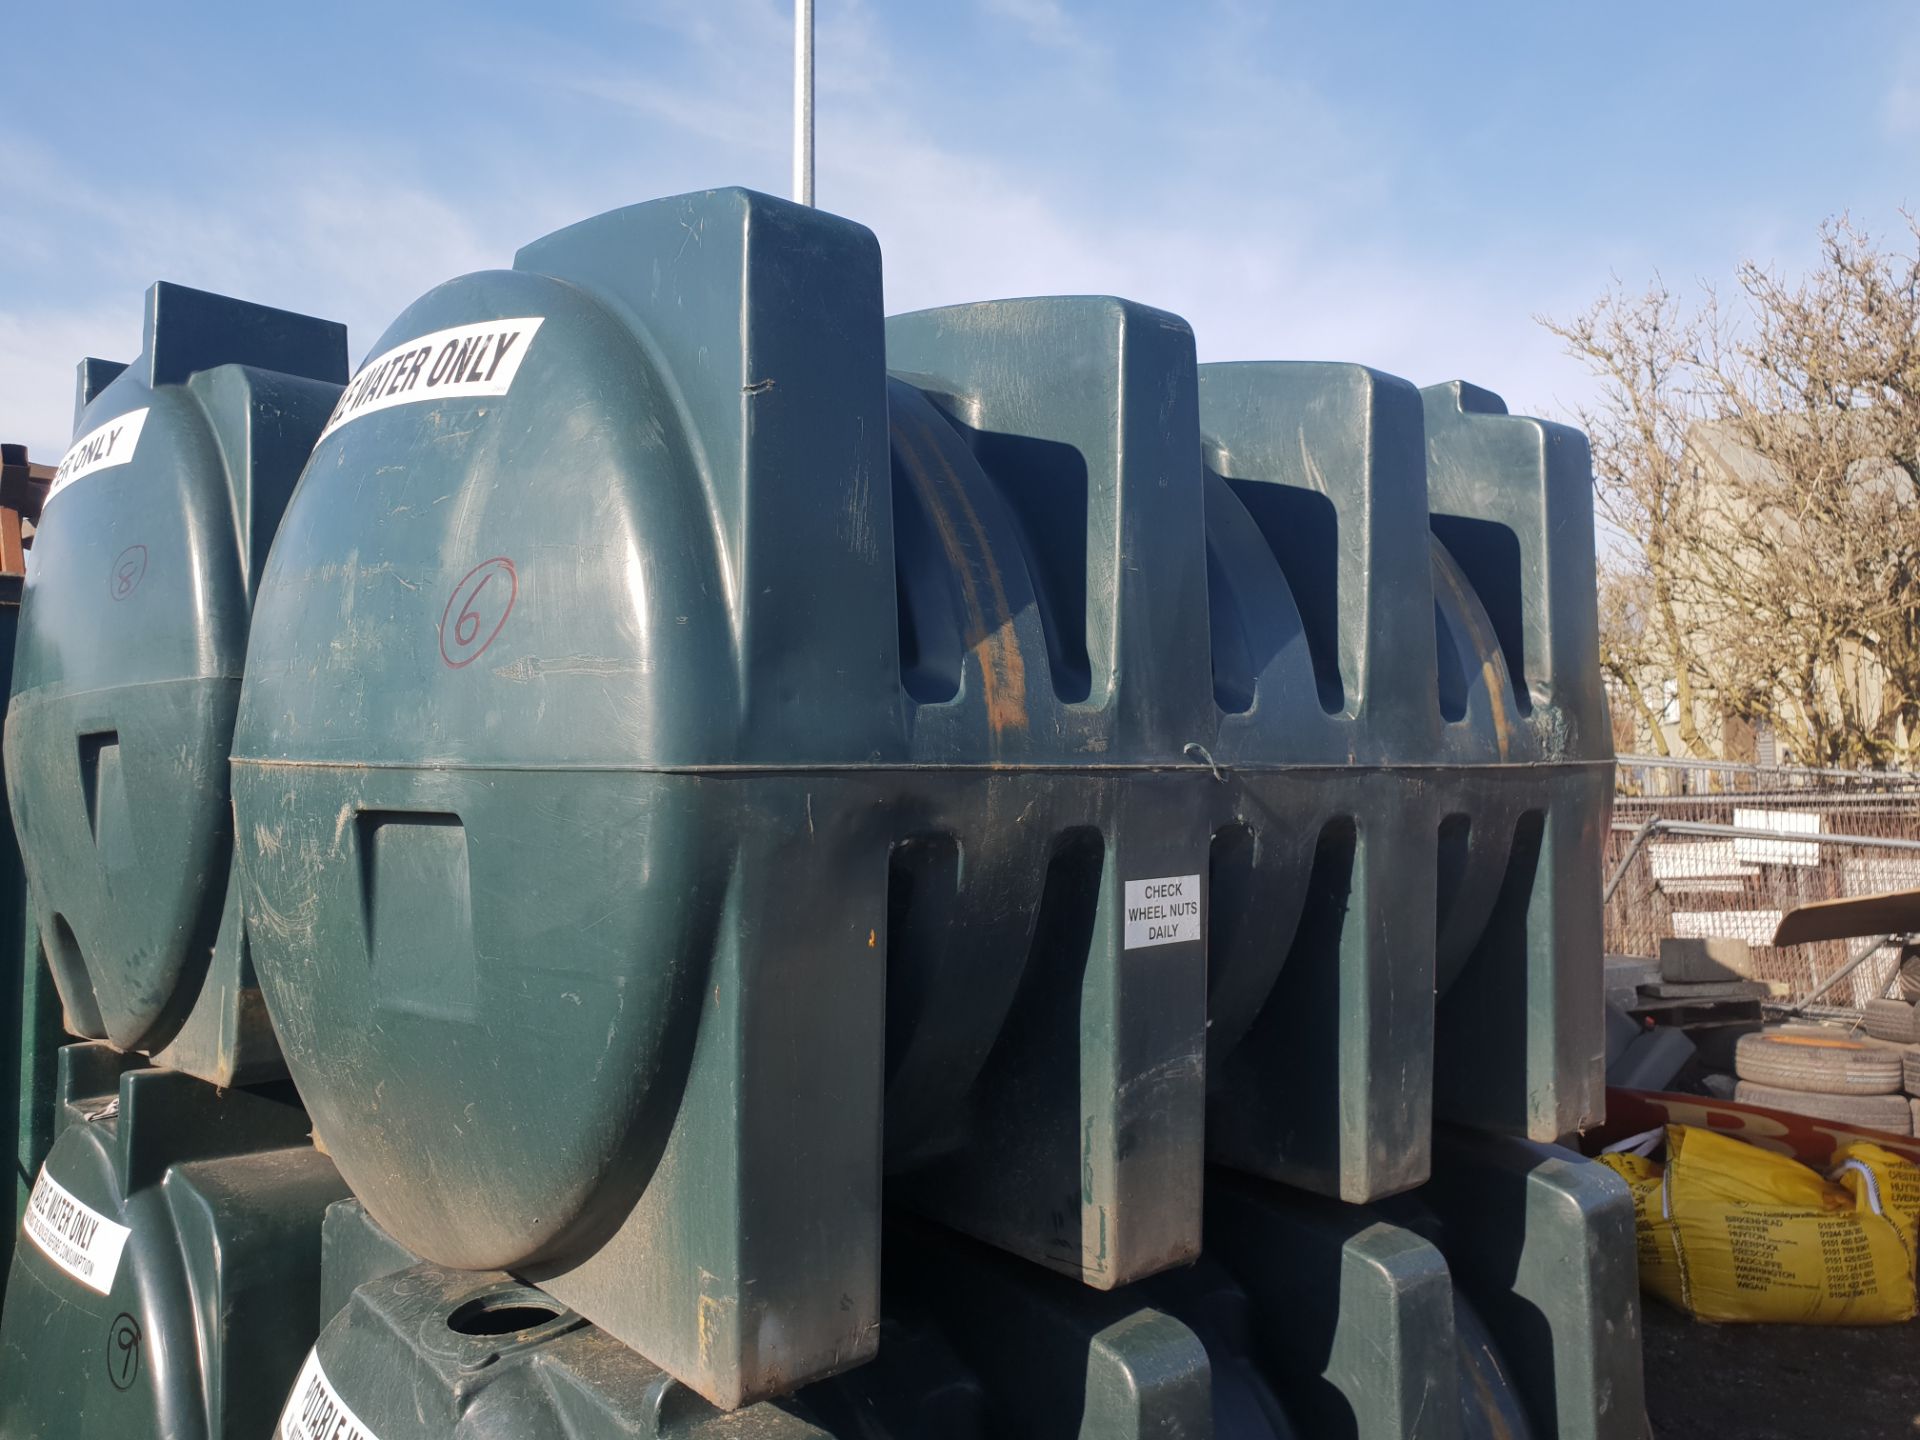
column 36, row 389
column 1045, row 22
column 1265, row 216
column 1900, row 103
column 1900, row 107
column 318, row 238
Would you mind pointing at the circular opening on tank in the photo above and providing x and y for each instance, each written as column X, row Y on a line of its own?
column 506, row 1314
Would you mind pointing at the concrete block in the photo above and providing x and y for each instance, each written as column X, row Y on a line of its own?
column 1705, row 959
column 1707, row 990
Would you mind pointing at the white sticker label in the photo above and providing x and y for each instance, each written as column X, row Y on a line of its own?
column 477, row 359
column 1164, row 911
column 1771, row 852
column 100, row 449
column 315, row 1410
column 75, row 1236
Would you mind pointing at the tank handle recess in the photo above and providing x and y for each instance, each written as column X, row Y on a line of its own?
column 1534, row 479
column 1356, row 439
column 1085, row 411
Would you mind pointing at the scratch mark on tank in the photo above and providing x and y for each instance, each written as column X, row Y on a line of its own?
column 858, row 531
column 535, row 667
column 714, row 1311
column 1316, row 478
column 692, row 236
column 1086, row 1160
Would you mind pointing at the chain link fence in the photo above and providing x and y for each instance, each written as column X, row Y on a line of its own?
column 1720, row 849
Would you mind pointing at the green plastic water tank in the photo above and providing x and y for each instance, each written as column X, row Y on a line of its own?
column 29, row 1016
column 167, row 1276
column 1415, row 762
column 1306, row 1318
column 585, row 811
column 701, row 751
column 133, row 631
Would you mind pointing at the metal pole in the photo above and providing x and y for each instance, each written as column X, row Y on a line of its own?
column 803, row 101
column 1640, row 837
column 1674, row 762
column 1845, row 970
column 1702, row 829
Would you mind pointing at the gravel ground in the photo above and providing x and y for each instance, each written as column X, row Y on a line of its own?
column 1780, row 1382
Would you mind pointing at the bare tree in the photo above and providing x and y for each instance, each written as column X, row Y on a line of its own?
column 1817, row 380
column 1642, row 349
column 1757, row 474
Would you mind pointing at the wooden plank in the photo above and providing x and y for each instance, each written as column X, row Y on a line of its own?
column 1893, row 912
column 13, row 553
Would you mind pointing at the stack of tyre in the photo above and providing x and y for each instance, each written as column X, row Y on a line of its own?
column 1826, row 1074
column 1896, row 1021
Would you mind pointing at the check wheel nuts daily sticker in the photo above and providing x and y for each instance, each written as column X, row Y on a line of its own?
column 315, row 1411
column 73, row 1235
column 1162, row 912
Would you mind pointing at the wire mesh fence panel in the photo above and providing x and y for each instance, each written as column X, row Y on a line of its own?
column 1712, row 849
column 1663, row 777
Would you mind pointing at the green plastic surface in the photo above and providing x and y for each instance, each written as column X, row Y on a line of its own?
column 1543, row 1243
column 132, row 634
column 198, row 1329
column 30, row 1028
column 1307, row 1318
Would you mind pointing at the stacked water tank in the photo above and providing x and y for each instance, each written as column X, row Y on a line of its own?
column 961, row 874
column 30, row 1031
column 166, row 1281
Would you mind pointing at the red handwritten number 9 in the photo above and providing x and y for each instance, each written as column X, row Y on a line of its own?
column 477, row 611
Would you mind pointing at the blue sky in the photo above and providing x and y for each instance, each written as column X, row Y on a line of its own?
column 1402, row 184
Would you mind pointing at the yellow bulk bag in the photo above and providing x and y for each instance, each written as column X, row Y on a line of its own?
column 1755, row 1236
column 1653, row 1232
column 1886, row 1183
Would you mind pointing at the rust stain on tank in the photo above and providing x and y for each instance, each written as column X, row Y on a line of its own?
column 1493, row 665
column 990, row 632
column 1495, row 674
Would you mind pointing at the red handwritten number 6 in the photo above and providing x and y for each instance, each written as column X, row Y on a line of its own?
column 468, row 624
column 478, row 609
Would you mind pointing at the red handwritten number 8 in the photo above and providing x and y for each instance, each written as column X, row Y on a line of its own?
column 129, row 568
